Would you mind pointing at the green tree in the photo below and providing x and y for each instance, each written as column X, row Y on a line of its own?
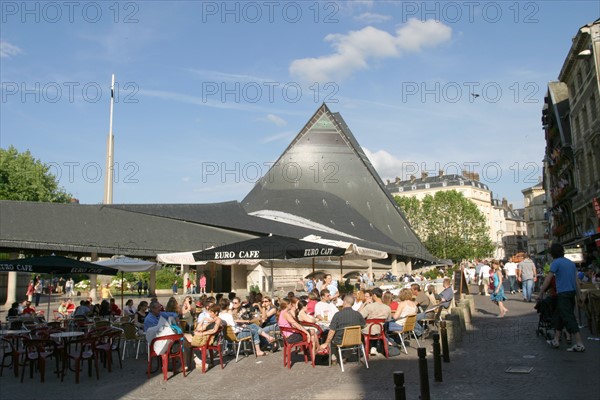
column 24, row 178
column 449, row 225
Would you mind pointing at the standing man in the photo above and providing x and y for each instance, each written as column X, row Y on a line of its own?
column 527, row 275
column 510, row 268
column 564, row 271
column 333, row 289
column 484, row 279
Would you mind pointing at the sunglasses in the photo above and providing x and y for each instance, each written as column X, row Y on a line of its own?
column 235, row 302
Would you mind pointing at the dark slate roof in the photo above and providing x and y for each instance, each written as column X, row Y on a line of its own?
column 434, row 182
column 325, row 177
column 106, row 230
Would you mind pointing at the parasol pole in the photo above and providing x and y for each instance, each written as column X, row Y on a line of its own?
column 49, row 296
column 313, row 264
column 121, row 291
column 271, row 278
column 341, row 272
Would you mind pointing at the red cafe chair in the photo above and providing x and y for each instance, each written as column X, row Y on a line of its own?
column 174, row 351
column 213, row 343
column 304, row 344
column 370, row 335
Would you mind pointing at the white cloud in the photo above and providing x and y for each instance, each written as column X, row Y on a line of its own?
column 276, row 120
column 8, row 50
column 372, row 18
column 354, row 50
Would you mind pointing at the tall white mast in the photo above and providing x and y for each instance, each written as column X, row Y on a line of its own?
column 110, row 161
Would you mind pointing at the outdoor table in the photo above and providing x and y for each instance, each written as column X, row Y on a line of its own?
column 66, row 338
column 12, row 332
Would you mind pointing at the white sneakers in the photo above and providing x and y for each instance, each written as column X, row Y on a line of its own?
column 373, row 351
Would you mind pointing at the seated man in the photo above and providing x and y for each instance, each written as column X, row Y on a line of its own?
column 346, row 317
column 375, row 310
column 29, row 309
column 83, row 310
column 114, row 308
column 444, row 298
column 152, row 319
column 324, row 309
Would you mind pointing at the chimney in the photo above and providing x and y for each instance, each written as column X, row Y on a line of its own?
column 441, row 172
column 412, row 178
column 388, row 181
column 397, row 180
column 475, row 176
column 73, row 200
column 424, row 175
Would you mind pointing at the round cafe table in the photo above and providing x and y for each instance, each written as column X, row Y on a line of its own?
column 66, row 338
column 13, row 332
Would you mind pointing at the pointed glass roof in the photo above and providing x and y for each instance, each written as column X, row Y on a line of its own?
column 324, row 179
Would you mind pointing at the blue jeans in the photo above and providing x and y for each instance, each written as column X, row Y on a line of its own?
column 251, row 330
column 512, row 280
column 527, row 289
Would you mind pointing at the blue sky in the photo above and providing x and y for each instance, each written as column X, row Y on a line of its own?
column 210, row 93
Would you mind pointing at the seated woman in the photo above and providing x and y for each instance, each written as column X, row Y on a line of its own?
column 313, row 299
column 140, row 314
column 188, row 311
column 204, row 331
column 129, row 308
column 62, row 310
column 241, row 327
column 302, row 316
column 405, row 308
column 104, row 311
column 287, row 310
column 268, row 314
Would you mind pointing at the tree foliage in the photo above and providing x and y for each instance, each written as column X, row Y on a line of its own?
column 449, row 225
column 24, row 178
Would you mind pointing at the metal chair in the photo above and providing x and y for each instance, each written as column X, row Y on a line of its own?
column 231, row 336
column 352, row 340
column 373, row 325
column 174, row 351
column 131, row 334
column 109, row 341
column 408, row 328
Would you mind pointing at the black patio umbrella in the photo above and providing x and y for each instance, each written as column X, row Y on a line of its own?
column 54, row 265
column 268, row 248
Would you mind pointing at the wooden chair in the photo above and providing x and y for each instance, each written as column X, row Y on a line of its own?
column 231, row 336
column 213, row 343
column 352, row 340
column 372, row 325
column 86, row 352
column 36, row 352
column 408, row 328
column 304, row 344
column 174, row 351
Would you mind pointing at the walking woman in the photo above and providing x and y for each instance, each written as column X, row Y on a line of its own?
column 498, row 293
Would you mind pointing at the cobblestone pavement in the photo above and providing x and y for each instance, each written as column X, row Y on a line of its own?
column 476, row 371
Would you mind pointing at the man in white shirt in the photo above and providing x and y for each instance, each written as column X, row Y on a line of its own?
column 510, row 268
column 329, row 285
column 484, row 279
column 324, row 309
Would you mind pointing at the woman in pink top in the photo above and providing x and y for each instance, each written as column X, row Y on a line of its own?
column 202, row 284
column 287, row 320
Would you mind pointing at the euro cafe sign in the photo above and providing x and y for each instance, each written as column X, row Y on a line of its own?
column 17, row 268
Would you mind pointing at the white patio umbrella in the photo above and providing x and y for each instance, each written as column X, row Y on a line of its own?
column 127, row 264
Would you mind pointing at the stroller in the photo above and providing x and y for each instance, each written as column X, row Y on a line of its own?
column 546, row 309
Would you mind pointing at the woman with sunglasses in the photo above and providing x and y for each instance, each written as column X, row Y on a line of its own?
column 244, row 328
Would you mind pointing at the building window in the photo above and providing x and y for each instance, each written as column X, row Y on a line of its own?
column 414, row 187
column 400, row 189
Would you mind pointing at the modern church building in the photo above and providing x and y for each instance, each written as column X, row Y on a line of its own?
column 322, row 185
